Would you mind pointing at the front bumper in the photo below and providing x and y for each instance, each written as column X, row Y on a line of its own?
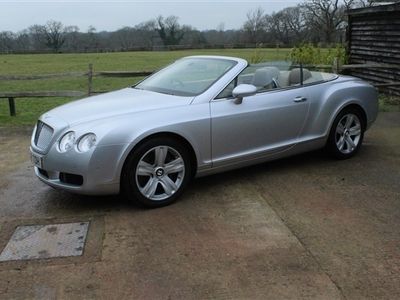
column 96, row 172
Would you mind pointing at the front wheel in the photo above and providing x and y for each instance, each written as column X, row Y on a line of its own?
column 346, row 134
column 156, row 173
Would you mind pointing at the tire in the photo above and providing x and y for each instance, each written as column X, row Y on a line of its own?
column 156, row 172
column 346, row 134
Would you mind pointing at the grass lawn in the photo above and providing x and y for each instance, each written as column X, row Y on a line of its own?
column 389, row 103
column 29, row 109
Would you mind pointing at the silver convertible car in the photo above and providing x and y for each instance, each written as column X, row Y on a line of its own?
column 198, row 116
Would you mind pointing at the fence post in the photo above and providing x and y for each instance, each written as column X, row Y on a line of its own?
column 90, row 79
column 301, row 74
column 336, row 67
column 11, row 105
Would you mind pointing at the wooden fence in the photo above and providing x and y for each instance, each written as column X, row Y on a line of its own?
column 90, row 75
column 373, row 36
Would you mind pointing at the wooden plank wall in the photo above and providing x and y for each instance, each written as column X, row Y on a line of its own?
column 374, row 37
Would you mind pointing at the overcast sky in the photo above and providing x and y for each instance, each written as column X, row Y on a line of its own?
column 111, row 15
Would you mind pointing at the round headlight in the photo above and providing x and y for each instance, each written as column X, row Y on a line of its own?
column 66, row 142
column 87, row 142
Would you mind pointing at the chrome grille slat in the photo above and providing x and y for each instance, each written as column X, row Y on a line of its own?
column 43, row 135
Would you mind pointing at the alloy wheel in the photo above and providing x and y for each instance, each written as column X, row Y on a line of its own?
column 160, row 173
column 348, row 133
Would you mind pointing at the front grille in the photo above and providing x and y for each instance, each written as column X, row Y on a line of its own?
column 43, row 135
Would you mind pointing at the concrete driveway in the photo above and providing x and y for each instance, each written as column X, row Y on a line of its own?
column 306, row 227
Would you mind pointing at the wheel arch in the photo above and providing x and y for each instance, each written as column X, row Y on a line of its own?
column 350, row 105
column 336, row 96
column 362, row 112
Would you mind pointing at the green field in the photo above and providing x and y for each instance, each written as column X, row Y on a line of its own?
column 28, row 109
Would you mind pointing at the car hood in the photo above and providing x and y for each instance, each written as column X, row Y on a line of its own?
column 122, row 102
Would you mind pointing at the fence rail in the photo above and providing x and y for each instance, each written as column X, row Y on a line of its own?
column 41, row 94
column 41, row 77
column 123, row 73
column 90, row 74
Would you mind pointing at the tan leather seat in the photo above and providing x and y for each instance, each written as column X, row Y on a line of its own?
column 295, row 76
column 266, row 78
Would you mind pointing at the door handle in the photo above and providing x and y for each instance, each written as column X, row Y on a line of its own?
column 300, row 99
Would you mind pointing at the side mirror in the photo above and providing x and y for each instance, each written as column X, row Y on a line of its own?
column 243, row 90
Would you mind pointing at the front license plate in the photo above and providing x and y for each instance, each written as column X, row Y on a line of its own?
column 36, row 160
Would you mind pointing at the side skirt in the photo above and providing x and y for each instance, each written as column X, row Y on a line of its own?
column 301, row 147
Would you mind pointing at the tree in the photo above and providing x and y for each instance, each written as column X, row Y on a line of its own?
column 193, row 37
column 22, row 41
column 6, row 41
column 54, row 33
column 171, row 33
column 288, row 25
column 92, row 41
column 326, row 16
column 36, row 33
column 147, row 33
column 72, row 38
column 254, row 27
column 126, row 37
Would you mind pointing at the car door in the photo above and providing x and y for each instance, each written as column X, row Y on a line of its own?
column 262, row 124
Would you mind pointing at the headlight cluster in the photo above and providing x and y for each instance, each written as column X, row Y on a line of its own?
column 87, row 142
column 67, row 142
column 83, row 143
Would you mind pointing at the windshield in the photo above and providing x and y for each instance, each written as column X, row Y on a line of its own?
column 187, row 77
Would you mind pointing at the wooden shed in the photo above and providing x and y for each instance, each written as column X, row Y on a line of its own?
column 374, row 37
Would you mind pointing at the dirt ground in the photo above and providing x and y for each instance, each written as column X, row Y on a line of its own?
column 306, row 227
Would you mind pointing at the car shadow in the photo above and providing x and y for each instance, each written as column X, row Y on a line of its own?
column 65, row 200
column 56, row 200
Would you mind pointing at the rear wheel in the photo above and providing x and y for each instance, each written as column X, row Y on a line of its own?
column 156, row 173
column 346, row 134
